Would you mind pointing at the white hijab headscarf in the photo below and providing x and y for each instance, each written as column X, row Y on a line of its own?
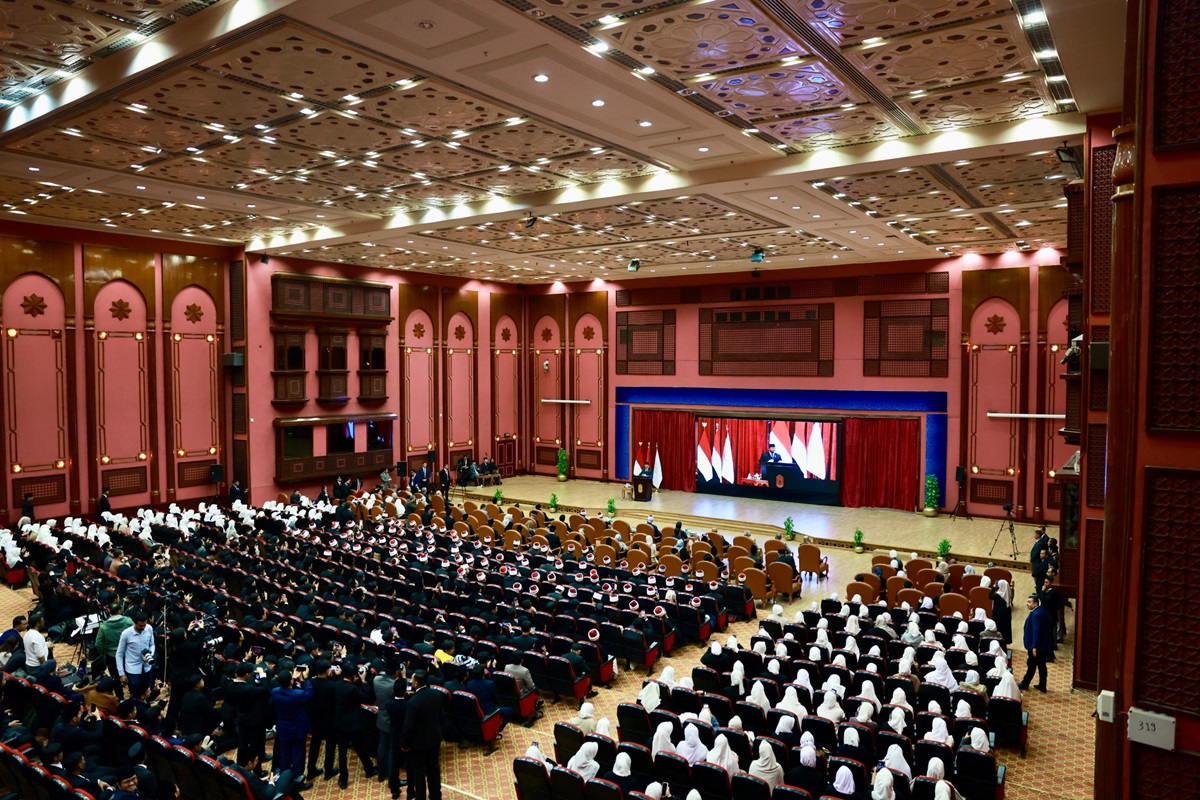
column 850, row 736
column 654, row 791
column 536, row 754
column 691, row 747
column 715, row 648
column 899, row 698
column 781, row 650
column 650, row 696
column 662, row 739
column 868, row 692
column 760, row 647
column 897, row 721
column 584, row 761
column 822, row 640
column 895, row 760
column 623, row 765
column 979, row 741
column 864, row 713
column 722, row 756
column 773, row 667
column 884, row 788
column 1007, row 687
column 765, row 766
column 938, row 733
column 1004, row 592
column 735, row 723
column 942, row 675
column 791, row 702
column 815, row 655
column 1000, row 666
column 737, row 677
column 943, row 791
column 604, row 727
column 731, row 643
column 962, row 710
column 803, row 679
column 980, row 616
column 829, row 708
column 935, row 769
column 834, row 684
column 759, row 697
column 668, row 676
column 852, row 626
column 843, row 782
column 786, row 724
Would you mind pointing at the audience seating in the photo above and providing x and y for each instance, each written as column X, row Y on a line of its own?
column 811, row 562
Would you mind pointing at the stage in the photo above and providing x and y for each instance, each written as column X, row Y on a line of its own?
column 970, row 540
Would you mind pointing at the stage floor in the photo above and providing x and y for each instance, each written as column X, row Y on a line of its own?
column 970, row 539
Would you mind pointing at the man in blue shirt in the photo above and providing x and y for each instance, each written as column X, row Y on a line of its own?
column 1039, row 642
column 135, row 655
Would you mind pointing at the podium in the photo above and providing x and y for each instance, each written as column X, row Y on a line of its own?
column 643, row 488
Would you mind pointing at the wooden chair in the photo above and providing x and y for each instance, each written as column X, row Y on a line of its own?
column 956, row 576
column 885, row 571
column 744, row 541
column 700, row 547
column 469, row 506
column 673, row 564
column 622, row 527
column 951, row 602
column 913, row 566
column 735, row 551
column 637, row 557
column 999, row 573
column 969, row 582
column 512, row 540
column 868, row 592
column 872, row 579
column 911, row 596
column 785, row 580
column 877, row 560
column 576, row 522
column 933, row 589
column 760, row 587
column 574, row 548
column 719, row 544
column 608, row 550
column 645, row 528
column 740, row 564
column 811, row 561
column 979, row 597
column 706, row 570
column 925, row 576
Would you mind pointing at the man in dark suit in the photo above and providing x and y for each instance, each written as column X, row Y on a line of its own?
column 249, row 694
column 289, row 697
column 235, row 492
column 341, row 489
column 769, row 455
column 27, row 506
column 102, row 504
column 320, row 715
column 422, row 740
column 420, row 478
column 1039, row 642
column 349, row 694
column 445, row 482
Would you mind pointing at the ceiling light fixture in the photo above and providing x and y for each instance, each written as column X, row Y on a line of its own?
column 1034, row 18
column 598, row 103
column 541, row 77
column 634, row 264
column 758, row 256
column 645, row 123
column 531, row 220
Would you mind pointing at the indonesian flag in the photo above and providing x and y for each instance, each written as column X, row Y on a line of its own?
column 798, row 451
column 657, row 469
column 637, row 459
column 727, row 461
column 717, row 468
column 704, row 453
column 816, row 453
column 779, row 437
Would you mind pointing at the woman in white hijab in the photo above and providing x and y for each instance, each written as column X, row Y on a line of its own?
column 735, row 722
column 899, row 698
column 898, row 721
column 852, row 626
column 584, row 761
column 990, row 631
column 851, row 646
column 694, row 794
column 737, row 679
column 912, row 635
column 1007, row 687
column 654, row 791
column 805, row 680
column 943, row 791
column 815, row 655
column 722, row 756
column 884, row 788
column 980, row 616
column 843, row 784
column 765, row 766
column 685, row 683
column 931, row 640
column 731, row 643
column 777, row 613
column 781, row 650
column 758, row 696
column 829, row 708
column 941, row 674
column 895, row 760
column 791, row 702
column 939, row 733
column 959, row 642
column 864, row 714
column 834, row 684
column 662, row 740
column 867, row 692
column 760, row 647
column 840, row 661
column 822, row 624
column 971, row 659
column 650, row 697
column 536, row 754
column 691, row 747
column 585, row 720
column 773, row 669
column 621, row 772
column 995, row 648
column 962, row 710
column 999, row 667
column 979, row 741
column 668, row 677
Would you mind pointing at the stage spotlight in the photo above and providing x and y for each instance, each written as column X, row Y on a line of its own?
column 634, row 264
column 529, row 223
column 264, row 259
column 757, row 256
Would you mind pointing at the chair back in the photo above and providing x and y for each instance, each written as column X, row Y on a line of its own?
column 915, row 565
column 711, row 781
column 868, row 590
column 951, row 602
column 600, row 789
column 980, row 597
column 998, row 574
column 756, row 580
column 808, row 556
column 641, row 764
column 633, row 724
column 747, row 787
column 567, row 784
column 895, row 585
column 568, row 739
column 911, row 596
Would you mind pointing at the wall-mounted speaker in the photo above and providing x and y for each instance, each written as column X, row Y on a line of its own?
column 401, row 469
column 960, row 474
column 1098, row 356
column 216, row 473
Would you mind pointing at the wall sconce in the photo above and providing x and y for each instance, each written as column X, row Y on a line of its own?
column 452, row 444
column 177, row 337
column 1053, row 348
column 16, row 467
column 212, row 451
column 599, row 444
column 105, row 460
column 102, row 335
column 1052, row 473
column 579, row 441
column 181, row 453
column 597, row 351
column 1012, row 348
column 210, row 338
column 12, row 333
column 470, row 441
column 497, row 352
column 428, row 350
column 60, row 464
column 1011, row 471
column 468, row 351
column 408, row 351
column 578, row 352
column 974, row 470
column 142, row 456
column 537, row 439
column 139, row 336
column 975, row 347
column 451, row 351
column 556, row 351
column 557, row 441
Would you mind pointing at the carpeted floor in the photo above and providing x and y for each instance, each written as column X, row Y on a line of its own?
column 1058, row 765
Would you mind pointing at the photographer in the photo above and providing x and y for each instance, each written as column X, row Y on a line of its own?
column 184, row 653
column 289, row 697
column 350, row 694
column 135, row 654
column 320, row 711
column 248, row 694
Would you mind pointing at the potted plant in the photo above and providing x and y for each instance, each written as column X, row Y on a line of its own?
column 858, row 540
column 789, row 529
column 943, row 549
column 498, row 497
column 931, row 495
column 554, row 502
column 564, row 462
column 612, row 507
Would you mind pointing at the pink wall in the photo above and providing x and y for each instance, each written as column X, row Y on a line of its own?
column 589, row 380
column 547, row 384
column 420, row 384
column 506, row 354
column 460, row 381
column 195, row 413
column 996, row 385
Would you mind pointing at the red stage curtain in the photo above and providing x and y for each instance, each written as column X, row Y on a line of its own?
column 673, row 435
column 882, row 463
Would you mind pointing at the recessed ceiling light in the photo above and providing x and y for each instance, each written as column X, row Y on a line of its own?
column 1034, row 18
column 1056, row 78
column 816, row 216
column 598, row 102
column 609, row 19
column 200, row 197
column 541, row 77
column 35, row 169
column 320, row 216
column 647, row 70
column 773, row 197
column 702, row 149
column 645, row 123
column 1047, row 55
column 251, row 205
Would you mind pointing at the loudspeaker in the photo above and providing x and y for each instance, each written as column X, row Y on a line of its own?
column 1098, row 356
column 401, row 469
column 216, row 473
column 960, row 474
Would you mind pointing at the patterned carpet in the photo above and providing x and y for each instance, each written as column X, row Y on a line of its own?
column 1058, row 765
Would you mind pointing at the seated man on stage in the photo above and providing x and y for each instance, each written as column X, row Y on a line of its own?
column 769, row 455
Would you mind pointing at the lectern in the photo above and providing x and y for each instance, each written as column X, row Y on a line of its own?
column 643, row 488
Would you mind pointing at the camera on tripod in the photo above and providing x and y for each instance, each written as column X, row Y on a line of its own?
column 1008, row 507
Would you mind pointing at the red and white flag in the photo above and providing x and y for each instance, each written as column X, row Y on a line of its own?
column 816, row 453
column 704, row 453
column 727, row 461
column 717, row 466
column 798, row 452
column 780, row 437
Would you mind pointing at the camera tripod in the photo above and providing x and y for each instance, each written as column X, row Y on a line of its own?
column 1012, row 533
column 960, row 509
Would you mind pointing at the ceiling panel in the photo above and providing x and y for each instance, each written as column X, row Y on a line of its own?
column 925, row 203
column 1022, row 192
column 432, row 108
column 597, row 167
column 294, row 59
column 526, row 141
column 834, row 129
column 290, row 188
column 609, row 216
column 270, row 157
column 124, row 123
column 357, row 176
column 728, row 224
column 982, row 103
column 90, row 150
column 692, row 39
column 55, row 32
column 852, row 21
column 200, row 171
column 907, row 180
column 85, row 206
column 779, row 90
column 516, row 181
column 345, row 136
column 210, row 98
column 1006, row 169
column 436, row 160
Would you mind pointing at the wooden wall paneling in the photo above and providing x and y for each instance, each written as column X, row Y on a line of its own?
column 538, row 306
column 453, row 302
column 512, row 306
column 594, row 303
column 408, row 299
column 170, row 388
column 104, row 264
column 179, row 272
column 1052, row 280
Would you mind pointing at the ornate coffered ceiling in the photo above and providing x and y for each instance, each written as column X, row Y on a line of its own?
column 424, row 136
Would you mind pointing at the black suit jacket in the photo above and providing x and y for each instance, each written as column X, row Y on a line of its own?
column 103, row 505
column 423, row 720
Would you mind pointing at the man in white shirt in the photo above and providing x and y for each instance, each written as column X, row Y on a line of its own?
column 135, row 654
column 36, row 650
